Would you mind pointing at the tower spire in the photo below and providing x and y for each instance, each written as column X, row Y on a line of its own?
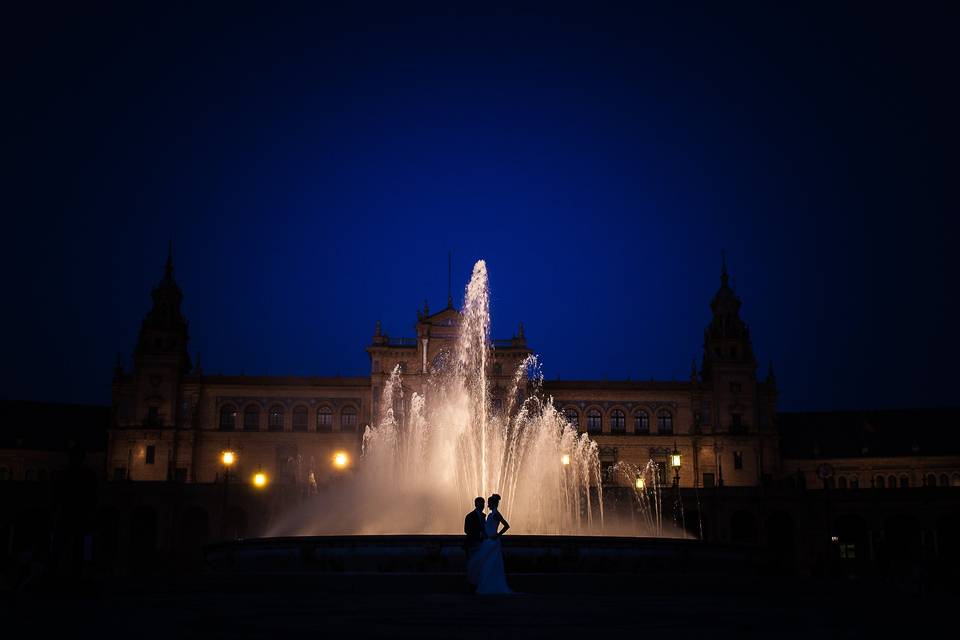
column 164, row 329
column 727, row 338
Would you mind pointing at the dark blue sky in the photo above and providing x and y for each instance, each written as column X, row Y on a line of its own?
column 315, row 168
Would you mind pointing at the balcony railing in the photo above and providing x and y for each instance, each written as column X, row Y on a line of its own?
column 412, row 342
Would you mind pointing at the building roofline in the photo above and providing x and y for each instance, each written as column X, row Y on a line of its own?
column 556, row 385
column 280, row 381
column 862, row 412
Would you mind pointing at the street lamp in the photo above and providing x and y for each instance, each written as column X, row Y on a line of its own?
column 228, row 458
column 565, row 459
column 675, row 463
column 341, row 460
column 641, row 484
column 260, row 479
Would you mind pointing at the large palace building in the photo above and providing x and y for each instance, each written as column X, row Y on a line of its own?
column 172, row 421
column 843, row 492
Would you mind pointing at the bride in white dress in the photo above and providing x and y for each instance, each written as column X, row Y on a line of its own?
column 486, row 564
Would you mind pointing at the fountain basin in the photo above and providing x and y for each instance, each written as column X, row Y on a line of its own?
column 444, row 554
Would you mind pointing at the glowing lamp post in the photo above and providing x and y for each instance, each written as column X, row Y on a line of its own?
column 565, row 459
column 641, row 484
column 341, row 460
column 260, row 480
column 675, row 463
column 228, row 458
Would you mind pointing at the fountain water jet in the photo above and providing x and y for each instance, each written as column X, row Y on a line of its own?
column 425, row 458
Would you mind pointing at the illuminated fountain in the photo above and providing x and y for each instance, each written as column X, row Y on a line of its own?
column 428, row 456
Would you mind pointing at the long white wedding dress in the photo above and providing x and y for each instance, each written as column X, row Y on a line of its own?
column 485, row 568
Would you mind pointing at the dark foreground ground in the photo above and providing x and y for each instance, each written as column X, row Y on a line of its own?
column 554, row 606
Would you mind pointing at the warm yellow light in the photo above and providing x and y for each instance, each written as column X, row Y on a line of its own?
column 565, row 459
column 228, row 458
column 675, row 460
column 260, row 479
column 340, row 459
column 640, row 483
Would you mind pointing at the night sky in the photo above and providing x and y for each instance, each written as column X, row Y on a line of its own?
column 314, row 169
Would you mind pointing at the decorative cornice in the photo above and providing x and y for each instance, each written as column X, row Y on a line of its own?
column 287, row 402
column 651, row 407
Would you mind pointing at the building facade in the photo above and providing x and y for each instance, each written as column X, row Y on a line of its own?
column 171, row 421
column 891, row 449
column 865, row 493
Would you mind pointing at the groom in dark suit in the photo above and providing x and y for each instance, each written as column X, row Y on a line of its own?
column 473, row 526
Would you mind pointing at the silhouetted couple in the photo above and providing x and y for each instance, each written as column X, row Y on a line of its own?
column 484, row 557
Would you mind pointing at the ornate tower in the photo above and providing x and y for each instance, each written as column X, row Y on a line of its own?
column 727, row 348
column 740, row 407
column 142, row 444
column 163, row 333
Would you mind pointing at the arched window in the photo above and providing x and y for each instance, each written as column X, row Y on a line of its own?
column 664, row 422
column 618, row 421
column 641, row 423
column 348, row 419
column 854, row 482
column 841, row 482
column 300, row 418
column 251, row 418
column 275, row 419
column 904, row 482
column 498, row 369
column 878, row 482
column 594, row 421
column 944, row 480
column 931, row 480
column 228, row 417
column 573, row 418
column 955, row 480
column 891, row 482
column 325, row 419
